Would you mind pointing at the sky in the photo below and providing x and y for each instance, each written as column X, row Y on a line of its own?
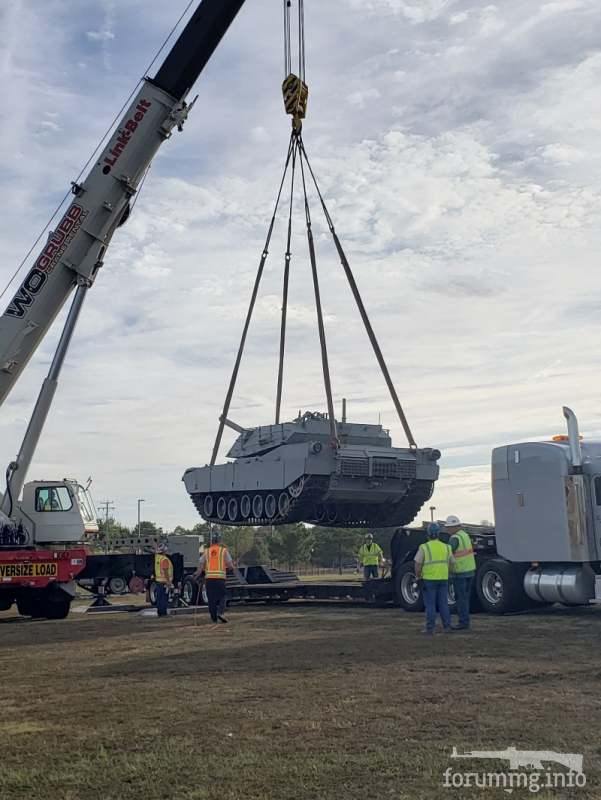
column 458, row 147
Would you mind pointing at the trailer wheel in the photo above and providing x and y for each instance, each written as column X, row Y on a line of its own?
column 152, row 593
column 407, row 589
column 500, row 586
column 117, row 586
column 451, row 597
column 190, row 591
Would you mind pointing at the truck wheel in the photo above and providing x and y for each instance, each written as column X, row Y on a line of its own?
column 57, row 607
column 6, row 601
column 190, row 591
column 407, row 589
column 30, row 603
column 500, row 586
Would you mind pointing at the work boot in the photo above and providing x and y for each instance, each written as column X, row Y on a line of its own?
column 427, row 632
column 222, row 619
column 460, row 627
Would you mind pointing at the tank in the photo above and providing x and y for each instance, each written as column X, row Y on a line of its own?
column 292, row 472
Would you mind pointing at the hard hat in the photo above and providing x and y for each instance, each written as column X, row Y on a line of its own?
column 451, row 521
column 369, row 536
column 215, row 537
column 433, row 530
column 162, row 547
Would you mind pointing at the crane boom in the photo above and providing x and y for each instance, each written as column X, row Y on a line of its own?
column 75, row 250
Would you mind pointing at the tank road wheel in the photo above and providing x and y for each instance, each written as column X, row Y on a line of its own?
column 232, row 510
column 245, row 506
column 221, row 508
column 320, row 513
column 207, row 506
column 407, row 588
column 257, row 506
column 296, row 488
column 283, row 504
column 331, row 514
column 270, row 506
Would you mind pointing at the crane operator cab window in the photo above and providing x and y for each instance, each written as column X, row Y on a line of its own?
column 53, row 498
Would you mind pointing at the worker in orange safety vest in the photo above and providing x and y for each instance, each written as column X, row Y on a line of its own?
column 163, row 578
column 214, row 563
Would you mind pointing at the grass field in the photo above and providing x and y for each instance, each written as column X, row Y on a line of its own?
column 296, row 702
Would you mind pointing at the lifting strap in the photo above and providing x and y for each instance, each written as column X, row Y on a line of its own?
column 295, row 99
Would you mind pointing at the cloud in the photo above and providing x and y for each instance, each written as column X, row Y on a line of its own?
column 100, row 36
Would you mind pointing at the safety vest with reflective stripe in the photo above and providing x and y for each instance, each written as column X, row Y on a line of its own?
column 437, row 555
column 370, row 555
column 464, row 555
column 215, row 563
column 163, row 569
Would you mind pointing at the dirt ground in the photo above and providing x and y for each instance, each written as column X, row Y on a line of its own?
column 296, row 702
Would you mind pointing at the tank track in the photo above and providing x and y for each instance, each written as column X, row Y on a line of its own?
column 302, row 502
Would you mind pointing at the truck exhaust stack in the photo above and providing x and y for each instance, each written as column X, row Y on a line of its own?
column 573, row 438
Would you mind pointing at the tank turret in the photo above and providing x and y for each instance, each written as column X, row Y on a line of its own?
column 294, row 472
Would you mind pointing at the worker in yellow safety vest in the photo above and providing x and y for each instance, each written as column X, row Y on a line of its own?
column 433, row 563
column 214, row 563
column 163, row 578
column 465, row 569
column 371, row 556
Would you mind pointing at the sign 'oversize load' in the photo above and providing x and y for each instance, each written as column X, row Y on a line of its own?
column 35, row 570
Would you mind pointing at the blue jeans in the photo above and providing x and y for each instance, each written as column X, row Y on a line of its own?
column 436, row 595
column 162, row 599
column 463, row 590
column 370, row 571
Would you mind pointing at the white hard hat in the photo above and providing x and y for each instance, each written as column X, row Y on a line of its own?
column 451, row 521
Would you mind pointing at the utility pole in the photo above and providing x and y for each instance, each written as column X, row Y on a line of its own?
column 140, row 500
column 107, row 505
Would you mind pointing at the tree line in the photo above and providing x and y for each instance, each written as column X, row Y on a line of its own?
column 284, row 545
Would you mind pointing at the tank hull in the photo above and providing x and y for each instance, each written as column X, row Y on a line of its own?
column 349, row 486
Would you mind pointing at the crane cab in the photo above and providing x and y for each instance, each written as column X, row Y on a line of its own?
column 54, row 512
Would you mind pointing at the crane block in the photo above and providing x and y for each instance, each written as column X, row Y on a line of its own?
column 296, row 97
